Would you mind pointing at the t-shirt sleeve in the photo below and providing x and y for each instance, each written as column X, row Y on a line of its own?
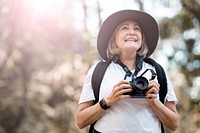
column 87, row 91
column 171, row 96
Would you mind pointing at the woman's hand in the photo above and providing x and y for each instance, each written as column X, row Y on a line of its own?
column 88, row 113
column 118, row 92
column 167, row 112
column 153, row 90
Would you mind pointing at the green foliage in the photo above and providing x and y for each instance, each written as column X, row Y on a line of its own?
column 44, row 60
column 184, row 27
column 40, row 64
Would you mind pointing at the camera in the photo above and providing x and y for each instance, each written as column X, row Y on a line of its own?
column 140, row 85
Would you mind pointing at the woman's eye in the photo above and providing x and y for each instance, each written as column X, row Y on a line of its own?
column 137, row 29
column 124, row 28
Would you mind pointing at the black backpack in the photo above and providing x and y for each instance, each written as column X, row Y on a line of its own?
column 100, row 70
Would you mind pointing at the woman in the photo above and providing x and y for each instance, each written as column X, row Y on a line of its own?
column 126, row 36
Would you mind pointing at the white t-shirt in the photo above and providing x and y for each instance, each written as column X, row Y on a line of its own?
column 131, row 115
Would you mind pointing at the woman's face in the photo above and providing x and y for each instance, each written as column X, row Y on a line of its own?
column 128, row 36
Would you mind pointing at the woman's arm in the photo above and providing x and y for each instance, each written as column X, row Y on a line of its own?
column 88, row 113
column 166, row 113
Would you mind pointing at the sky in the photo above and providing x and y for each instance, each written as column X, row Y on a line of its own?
column 154, row 7
column 50, row 7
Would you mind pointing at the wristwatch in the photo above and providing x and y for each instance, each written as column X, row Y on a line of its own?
column 103, row 104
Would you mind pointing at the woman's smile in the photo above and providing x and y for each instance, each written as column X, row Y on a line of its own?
column 130, row 40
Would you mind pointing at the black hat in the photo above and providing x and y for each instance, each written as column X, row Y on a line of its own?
column 147, row 23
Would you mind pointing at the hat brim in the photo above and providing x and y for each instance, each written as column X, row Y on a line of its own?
column 147, row 23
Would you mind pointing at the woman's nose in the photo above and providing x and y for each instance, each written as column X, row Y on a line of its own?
column 131, row 32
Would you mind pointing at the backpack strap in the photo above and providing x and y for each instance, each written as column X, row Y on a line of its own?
column 97, row 78
column 162, row 80
column 100, row 70
column 101, row 67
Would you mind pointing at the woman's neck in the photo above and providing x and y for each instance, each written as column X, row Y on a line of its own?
column 129, row 59
column 130, row 63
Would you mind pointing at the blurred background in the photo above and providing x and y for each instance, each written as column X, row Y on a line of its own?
column 47, row 47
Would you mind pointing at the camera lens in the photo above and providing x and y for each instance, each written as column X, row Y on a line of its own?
column 141, row 83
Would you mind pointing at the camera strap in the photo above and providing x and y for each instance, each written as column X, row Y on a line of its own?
column 152, row 72
column 137, row 69
column 126, row 69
